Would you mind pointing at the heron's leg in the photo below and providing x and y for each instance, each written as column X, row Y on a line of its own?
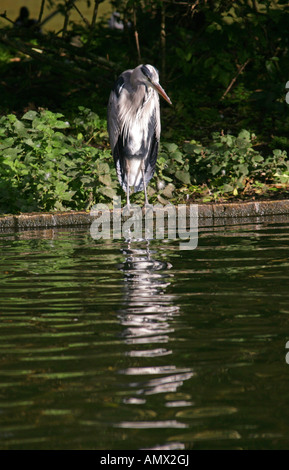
column 144, row 184
column 127, row 196
column 127, row 188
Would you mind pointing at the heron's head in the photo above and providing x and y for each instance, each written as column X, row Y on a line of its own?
column 149, row 75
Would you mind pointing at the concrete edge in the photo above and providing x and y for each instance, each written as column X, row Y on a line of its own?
column 205, row 211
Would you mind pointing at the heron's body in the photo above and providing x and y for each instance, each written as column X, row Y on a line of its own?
column 134, row 126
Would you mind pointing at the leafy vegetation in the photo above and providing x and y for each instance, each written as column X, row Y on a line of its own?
column 45, row 168
column 48, row 163
column 224, row 65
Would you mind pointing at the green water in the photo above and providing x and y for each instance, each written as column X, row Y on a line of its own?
column 110, row 345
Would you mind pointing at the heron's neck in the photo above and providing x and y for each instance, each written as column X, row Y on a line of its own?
column 141, row 96
column 146, row 95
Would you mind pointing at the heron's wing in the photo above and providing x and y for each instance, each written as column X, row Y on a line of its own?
column 151, row 157
column 113, row 114
column 115, row 124
column 119, row 161
column 124, row 152
column 154, row 130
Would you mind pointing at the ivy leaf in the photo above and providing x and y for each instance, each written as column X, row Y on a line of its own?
column 30, row 115
column 227, row 188
column 170, row 147
column 215, row 169
column 177, row 156
column 109, row 192
column 183, row 176
column 168, row 191
column 20, row 129
column 103, row 168
column 105, row 179
column 11, row 152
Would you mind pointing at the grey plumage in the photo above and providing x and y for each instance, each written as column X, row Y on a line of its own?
column 134, row 126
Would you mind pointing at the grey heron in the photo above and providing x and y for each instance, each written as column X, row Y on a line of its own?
column 134, row 126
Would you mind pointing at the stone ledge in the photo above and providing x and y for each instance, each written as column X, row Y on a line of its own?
column 205, row 211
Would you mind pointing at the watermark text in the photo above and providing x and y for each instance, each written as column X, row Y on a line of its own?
column 155, row 222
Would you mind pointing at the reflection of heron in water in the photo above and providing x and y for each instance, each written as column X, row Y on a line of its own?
column 147, row 307
column 147, row 316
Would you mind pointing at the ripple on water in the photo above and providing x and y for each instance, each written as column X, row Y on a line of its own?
column 113, row 345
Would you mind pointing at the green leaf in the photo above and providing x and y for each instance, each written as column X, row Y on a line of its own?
column 6, row 143
column 103, row 168
column 167, row 178
column 168, row 191
column 11, row 152
column 109, row 192
column 227, row 188
column 215, row 169
column 105, row 179
column 170, row 147
column 183, row 176
column 243, row 169
column 177, row 156
column 30, row 115
column 189, row 147
column 257, row 158
column 245, row 135
column 20, row 128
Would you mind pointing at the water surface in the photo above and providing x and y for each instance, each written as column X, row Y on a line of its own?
column 117, row 345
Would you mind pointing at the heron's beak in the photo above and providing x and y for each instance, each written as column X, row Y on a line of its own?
column 162, row 92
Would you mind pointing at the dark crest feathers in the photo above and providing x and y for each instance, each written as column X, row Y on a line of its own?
column 147, row 73
column 118, row 86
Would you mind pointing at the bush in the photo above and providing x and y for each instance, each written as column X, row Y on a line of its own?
column 43, row 167
column 48, row 163
column 229, row 164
